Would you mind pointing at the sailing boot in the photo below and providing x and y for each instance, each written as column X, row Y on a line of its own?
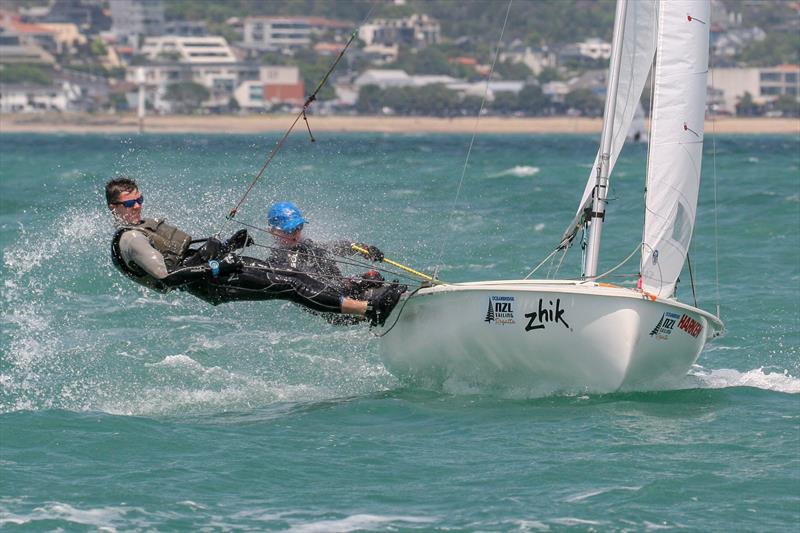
column 381, row 302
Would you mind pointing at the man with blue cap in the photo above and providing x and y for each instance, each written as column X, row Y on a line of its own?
column 299, row 254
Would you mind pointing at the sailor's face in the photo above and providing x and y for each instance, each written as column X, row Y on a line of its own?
column 128, row 215
column 287, row 238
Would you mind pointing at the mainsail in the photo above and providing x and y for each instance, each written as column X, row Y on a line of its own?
column 676, row 142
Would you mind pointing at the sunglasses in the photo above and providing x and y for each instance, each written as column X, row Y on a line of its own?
column 130, row 203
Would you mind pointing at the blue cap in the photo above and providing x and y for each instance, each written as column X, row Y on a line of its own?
column 285, row 216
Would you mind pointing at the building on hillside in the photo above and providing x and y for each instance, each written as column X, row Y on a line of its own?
column 90, row 18
column 764, row 84
column 278, row 84
column 383, row 78
column 188, row 49
column 67, row 36
column 414, row 31
column 589, row 50
column 27, row 34
column 93, row 91
column 28, row 98
column 536, row 59
column 479, row 88
column 133, row 20
column 281, row 33
column 727, row 45
column 186, row 28
column 14, row 50
column 381, row 54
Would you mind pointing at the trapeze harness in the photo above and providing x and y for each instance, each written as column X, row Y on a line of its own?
column 258, row 280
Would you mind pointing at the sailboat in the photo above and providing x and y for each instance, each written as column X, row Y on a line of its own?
column 583, row 334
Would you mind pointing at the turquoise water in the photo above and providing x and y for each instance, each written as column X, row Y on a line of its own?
column 122, row 409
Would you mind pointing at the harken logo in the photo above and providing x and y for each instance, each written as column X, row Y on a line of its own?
column 690, row 325
column 545, row 315
column 665, row 325
column 501, row 310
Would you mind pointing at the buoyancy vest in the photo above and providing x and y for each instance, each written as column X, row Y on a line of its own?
column 169, row 241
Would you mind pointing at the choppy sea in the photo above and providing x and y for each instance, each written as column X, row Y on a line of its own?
column 126, row 410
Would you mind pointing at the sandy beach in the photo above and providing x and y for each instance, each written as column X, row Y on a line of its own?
column 128, row 123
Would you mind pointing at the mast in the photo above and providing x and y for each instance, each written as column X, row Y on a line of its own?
column 601, row 188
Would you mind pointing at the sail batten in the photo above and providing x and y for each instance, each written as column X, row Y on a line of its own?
column 676, row 142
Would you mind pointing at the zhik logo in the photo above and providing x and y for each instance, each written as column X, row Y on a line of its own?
column 538, row 320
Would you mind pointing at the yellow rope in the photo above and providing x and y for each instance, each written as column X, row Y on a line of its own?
column 398, row 265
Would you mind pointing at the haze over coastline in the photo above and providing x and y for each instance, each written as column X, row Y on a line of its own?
column 128, row 123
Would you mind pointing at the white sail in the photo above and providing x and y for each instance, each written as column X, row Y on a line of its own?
column 676, row 142
column 638, row 49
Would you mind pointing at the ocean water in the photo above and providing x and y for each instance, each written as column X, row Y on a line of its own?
column 125, row 410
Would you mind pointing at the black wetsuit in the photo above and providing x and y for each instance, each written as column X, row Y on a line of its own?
column 304, row 273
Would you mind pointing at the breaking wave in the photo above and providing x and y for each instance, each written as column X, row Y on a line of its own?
column 520, row 171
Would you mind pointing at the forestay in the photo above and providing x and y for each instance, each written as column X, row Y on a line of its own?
column 676, row 142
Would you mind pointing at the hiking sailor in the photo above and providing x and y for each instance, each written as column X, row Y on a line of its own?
column 159, row 256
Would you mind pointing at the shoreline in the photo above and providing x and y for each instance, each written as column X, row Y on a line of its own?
column 128, row 123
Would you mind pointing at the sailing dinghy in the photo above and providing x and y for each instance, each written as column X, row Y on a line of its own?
column 585, row 335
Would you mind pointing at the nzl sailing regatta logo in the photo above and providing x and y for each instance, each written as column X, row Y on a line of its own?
column 664, row 326
column 501, row 310
column 546, row 314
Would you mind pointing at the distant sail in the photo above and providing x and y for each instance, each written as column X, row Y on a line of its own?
column 676, row 142
column 638, row 131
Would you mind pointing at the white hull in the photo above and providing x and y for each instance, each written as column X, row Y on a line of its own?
column 544, row 336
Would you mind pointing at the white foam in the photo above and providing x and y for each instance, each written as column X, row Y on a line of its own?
column 102, row 518
column 591, row 493
column 355, row 523
column 519, row 171
column 757, row 378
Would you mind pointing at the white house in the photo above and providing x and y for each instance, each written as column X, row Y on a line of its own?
column 27, row 98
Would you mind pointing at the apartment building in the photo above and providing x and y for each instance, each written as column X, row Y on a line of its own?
column 764, row 84
column 279, row 33
column 192, row 50
column 415, row 30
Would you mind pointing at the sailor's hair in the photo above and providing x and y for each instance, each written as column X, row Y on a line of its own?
column 117, row 186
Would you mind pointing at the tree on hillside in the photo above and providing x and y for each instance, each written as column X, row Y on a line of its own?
column 369, row 100
column 187, row 96
column 788, row 105
column 777, row 48
column 585, row 101
column 532, row 101
column 25, row 73
column 746, row 107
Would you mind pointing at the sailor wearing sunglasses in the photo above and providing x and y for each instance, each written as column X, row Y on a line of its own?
column 159, row 256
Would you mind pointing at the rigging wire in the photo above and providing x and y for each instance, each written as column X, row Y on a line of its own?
column 301, row 114
column 691, row 279
column 471, row 143
column 716, row 210
column 342, row 260
column 607, row 272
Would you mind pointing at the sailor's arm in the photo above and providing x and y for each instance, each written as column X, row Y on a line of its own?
column 346, row 248
column 136, row 248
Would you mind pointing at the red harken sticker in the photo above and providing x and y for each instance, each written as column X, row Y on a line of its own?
column 690, row 325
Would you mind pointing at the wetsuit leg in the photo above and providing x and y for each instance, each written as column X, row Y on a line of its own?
column 258, row 280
